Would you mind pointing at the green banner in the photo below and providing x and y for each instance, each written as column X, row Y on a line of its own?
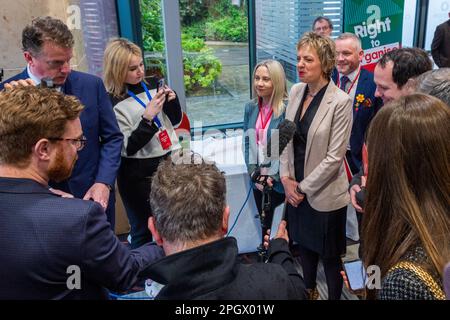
column 379, row 26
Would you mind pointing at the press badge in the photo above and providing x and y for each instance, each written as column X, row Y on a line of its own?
column 164, row 139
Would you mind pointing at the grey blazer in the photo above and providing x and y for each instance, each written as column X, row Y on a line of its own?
column 249, row 142
column 325, row 182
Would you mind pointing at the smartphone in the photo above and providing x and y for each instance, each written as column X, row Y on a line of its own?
column 160, row 84
column 356, row 274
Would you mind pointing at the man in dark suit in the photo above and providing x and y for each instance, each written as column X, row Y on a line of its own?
column 53, row 247
column 440, row 47
column 359, row 85
column 48, row 48
column 394, row 76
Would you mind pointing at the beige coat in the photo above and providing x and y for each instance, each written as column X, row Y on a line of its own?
column 325, row 182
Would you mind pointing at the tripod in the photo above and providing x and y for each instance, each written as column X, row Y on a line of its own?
column 265, row 216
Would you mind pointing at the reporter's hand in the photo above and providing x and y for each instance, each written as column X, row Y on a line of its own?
column 361, row 293
column 260, row 187
column 61, row 193
column 21, row 82
column 281, row 233
column 155, row 105
column 353, row 191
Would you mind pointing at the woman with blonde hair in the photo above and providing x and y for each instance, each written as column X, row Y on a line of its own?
column 262, row 115
column 312, row 168
column 147, row 120
column 406, row 225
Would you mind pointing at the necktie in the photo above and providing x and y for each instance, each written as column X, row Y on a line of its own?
column 344, row 80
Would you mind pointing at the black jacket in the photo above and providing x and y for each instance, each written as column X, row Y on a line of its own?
column 44, row 236
column 213, row 272
column 440, row 47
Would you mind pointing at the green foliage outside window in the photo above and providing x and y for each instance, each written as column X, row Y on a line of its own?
column 216, row 20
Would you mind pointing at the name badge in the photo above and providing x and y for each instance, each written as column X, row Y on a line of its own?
column 164, row 139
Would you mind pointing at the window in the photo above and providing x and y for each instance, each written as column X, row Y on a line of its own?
column 214, row 55
column 281, row 23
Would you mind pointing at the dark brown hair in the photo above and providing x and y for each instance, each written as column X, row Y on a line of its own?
column 408, row 187
column 44, row 29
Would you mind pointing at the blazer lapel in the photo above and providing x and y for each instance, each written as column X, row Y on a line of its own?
column 69, row 86
column 292, row 109
column 320, row 115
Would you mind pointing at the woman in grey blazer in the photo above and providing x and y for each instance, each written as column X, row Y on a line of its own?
column 262, row 115
column 311, row 167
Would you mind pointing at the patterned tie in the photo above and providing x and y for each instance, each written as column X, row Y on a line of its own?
column 344, row 80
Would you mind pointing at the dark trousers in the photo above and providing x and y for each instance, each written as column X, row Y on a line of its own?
column 276, row 200
column 332, row 267
column 134, row 182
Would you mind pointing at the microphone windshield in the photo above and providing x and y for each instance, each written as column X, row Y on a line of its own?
column 281, row 138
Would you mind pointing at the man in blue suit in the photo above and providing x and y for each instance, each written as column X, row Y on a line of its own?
column 359, row 85
column 53, row 247
column 48, row 48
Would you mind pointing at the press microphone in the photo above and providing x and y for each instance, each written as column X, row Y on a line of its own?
column 47, row 82
column 284, row 134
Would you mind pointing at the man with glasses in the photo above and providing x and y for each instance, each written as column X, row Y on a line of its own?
column 322, row 26
column 52, row 247
column 48, row 48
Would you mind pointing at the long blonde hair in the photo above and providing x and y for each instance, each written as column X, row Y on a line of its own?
column 118, row 54
column 279, row 93
column 408, row 187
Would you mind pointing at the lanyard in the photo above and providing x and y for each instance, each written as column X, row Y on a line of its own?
column 353, row 82
column 263, row 123
column 135, row 97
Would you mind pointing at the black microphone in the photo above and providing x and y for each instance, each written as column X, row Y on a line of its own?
column 284, row 134
column 47, row 83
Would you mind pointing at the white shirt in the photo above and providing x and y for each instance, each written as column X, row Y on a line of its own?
column 351, row 76
column 36, row 80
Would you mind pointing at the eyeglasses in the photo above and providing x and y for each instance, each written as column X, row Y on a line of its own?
column 78, row 143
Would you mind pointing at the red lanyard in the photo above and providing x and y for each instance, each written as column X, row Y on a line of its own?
column 263, row 123
column 353, row 82
column 365, row 160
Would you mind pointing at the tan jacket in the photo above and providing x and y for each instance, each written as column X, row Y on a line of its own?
column 325, row 182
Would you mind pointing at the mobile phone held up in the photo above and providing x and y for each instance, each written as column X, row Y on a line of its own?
column 356, row 274
column 160, row 84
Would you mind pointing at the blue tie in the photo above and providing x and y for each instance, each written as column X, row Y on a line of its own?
column 344, row 80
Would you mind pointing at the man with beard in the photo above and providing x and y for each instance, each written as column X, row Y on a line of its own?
column 47, row 45
column 359, row 85
column 52, row 247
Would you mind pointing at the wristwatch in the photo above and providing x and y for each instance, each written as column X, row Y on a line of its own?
column 149, row 122
column 299, row 190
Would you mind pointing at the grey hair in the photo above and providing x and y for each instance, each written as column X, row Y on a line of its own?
column 349, row 35
column 187, row 201
column 435, row 83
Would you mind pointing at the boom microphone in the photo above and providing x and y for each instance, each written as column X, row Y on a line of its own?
column 281, row 137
